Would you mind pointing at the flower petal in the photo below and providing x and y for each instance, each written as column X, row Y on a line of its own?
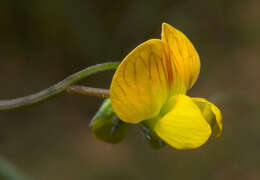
column 183, row 127
column 143, row 82
column 212, row 114
column 181, row 51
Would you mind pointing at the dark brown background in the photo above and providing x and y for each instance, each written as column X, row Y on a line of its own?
column 43, row 41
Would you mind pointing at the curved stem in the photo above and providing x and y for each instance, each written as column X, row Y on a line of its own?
column 56, row 89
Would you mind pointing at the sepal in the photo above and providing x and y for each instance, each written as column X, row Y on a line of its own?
column 154, row 141
column 106, row 126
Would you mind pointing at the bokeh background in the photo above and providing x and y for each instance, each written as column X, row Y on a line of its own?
column 43, row 41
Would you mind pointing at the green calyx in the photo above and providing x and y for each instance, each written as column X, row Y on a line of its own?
column 151, row 137
column 106, row 126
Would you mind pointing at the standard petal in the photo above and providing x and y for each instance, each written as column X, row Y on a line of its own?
column 212, row 114
column 183, row 127
column 143, row 82
column 180, row 50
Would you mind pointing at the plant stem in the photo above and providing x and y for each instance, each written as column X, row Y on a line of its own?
column 90, row 91
column 9, row 172
column 56, row 89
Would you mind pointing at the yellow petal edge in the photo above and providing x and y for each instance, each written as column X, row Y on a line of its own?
column 184, row 126
column 212, row 114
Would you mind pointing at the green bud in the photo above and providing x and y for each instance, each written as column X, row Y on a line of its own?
column 106, row 126
column 151, row 137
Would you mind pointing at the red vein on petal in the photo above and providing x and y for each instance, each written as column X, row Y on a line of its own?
column 179, row 46
column 120, row 87
column 158, row 71
column 163, row 68
column 134, row 68
column 176, row 62
column 124, row 74
column 149, row 66
column 143, row 61
column 169, row 69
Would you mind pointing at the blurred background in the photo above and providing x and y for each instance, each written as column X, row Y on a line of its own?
column 43, row 41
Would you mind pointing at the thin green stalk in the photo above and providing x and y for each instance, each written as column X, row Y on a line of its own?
column 89, row 91
column 9, row 172
column 56, row 89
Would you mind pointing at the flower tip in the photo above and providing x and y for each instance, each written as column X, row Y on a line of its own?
column 164, row 23
column 166, row 26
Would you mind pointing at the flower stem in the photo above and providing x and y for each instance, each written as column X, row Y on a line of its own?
column 11, row 104
column 89, row 91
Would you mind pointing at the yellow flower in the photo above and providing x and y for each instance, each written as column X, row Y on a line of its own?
column 149, row 87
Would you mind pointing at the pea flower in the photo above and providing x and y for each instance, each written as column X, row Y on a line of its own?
column 150, row 85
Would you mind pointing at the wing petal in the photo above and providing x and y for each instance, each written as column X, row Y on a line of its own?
column 184, row 126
